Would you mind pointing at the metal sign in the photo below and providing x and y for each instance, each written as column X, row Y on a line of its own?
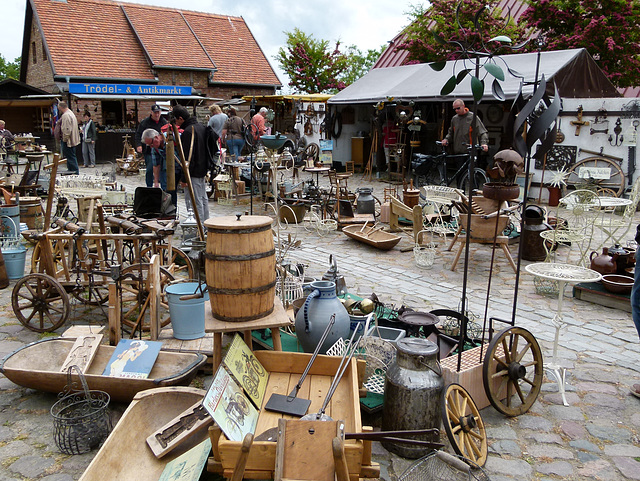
column 129, row 89
column 598, row 173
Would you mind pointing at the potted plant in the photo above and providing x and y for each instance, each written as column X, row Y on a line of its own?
column 507, row 164
column 555, row 185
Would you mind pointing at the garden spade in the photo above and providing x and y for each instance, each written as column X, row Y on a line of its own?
column 291, row 404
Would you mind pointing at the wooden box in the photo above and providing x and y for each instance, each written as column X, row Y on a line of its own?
column 284, row 370
column 222, row 192
column 470, row 374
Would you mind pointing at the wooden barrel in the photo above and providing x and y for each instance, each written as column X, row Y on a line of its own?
column 30, row 211
column 240, row 266
column 411, row 197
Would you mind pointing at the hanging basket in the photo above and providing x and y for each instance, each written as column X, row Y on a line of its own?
column 80, row 418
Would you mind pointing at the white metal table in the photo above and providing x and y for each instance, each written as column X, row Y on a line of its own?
column 564, row 274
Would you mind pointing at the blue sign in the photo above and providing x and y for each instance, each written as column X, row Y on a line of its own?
column 129, row 89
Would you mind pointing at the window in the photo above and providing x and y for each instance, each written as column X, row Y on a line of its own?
column 34, row 52
column 44, row 52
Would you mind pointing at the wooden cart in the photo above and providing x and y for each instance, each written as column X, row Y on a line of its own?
column 67, row 261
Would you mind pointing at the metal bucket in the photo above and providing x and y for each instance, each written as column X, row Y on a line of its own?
column 187, row 316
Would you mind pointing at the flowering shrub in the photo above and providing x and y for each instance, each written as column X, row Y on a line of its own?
column 608, row 29
column 313, row 67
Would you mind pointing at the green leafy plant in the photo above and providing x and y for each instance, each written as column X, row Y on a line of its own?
column 314, row 67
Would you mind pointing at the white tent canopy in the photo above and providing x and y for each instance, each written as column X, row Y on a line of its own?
column 575, row 73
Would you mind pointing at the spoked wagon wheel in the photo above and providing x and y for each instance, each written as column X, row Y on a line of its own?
column 603, row 174
column 312, row 151
column 40, row 302
column 180, row 266
column 463, row 424
column 61, row 250
column 136, row 302
column 512, row 371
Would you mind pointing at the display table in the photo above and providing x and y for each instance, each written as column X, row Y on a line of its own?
column 564, row 274
column 273, row 321
column 317, row 171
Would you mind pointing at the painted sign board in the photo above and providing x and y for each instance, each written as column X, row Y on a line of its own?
column 129, row 89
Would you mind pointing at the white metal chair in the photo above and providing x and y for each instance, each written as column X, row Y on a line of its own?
column 617, row 227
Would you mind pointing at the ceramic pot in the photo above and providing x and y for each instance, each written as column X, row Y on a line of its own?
column 497, row 191
column 603, row 263
column 621, row 257
column 315, row 314
column 554, row 196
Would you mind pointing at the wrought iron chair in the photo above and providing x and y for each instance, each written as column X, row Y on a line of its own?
column 617, row 227
column 574, row 224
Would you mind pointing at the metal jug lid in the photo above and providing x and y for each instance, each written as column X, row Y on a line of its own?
column 415, row 346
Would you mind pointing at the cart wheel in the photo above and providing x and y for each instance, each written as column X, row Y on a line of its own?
column 61, row 249
column 613, row 182
column 40, row 302
column 463, row 424
column 135, row 296
column 180, row 266
column 312, row 151
column 513, row 362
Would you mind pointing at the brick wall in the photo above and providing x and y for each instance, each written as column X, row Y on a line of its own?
column 39, row 74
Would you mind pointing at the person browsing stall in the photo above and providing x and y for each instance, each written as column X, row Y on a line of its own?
column 154, row 121
column 460, row 133
column 196, row 153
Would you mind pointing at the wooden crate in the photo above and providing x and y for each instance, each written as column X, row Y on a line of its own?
column 284, row 370
column 470, row 374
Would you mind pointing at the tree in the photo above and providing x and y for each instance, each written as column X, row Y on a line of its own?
column 441, row 18
column 359, row 63
column 9, row 69
column 608, row 29
column 313, row 67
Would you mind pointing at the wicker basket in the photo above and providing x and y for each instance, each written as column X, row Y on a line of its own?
column 81, row 419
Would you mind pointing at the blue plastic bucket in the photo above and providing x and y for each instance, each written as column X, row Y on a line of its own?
column 187, row 317
column 14, row 260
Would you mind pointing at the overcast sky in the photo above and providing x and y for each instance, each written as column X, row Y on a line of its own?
column 365, row 24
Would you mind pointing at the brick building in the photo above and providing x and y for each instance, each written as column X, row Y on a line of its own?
column 99, row 55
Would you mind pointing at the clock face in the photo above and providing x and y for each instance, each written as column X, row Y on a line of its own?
column 494, row 114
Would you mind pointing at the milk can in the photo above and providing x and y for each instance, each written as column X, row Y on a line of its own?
column 412, row 394
column 366, row 203
column 532, row 225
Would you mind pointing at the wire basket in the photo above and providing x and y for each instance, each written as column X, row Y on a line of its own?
column 81, row 419
column 425, row 255
column 289, row 285
column 378, row 354
column 441, row 466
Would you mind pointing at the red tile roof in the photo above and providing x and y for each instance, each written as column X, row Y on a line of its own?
column 89, row 38
column 116, row 40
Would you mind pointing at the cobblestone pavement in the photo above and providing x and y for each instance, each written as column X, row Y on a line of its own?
column 597, row 437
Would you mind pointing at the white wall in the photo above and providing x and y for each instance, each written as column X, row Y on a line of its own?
column 616, row 108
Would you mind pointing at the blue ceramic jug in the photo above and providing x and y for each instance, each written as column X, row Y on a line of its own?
column 313, row 317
